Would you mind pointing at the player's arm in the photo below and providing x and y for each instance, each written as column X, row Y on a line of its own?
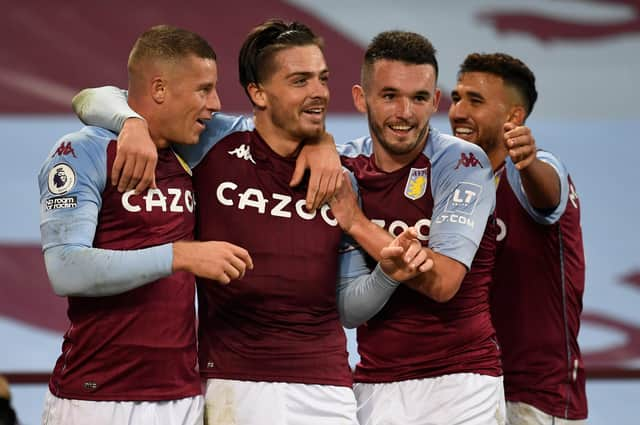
column 439, row 277
column 321, row 158
column 402, row 258
column 544, row 216
column 464, row 197
column 137, row 156
column 71, row 185
column 539, row 179
column 70, row 195
column 362, row 293
column 432, row 274
column 80, row 270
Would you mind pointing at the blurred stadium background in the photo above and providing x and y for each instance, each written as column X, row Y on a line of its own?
column 585, row 55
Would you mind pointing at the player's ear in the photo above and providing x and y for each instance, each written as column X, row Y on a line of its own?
column 257, row 94
column 436, row 99
column 517, row 115
column 357, row 92
column 158, row 89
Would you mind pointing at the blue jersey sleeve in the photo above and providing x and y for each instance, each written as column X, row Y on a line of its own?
column 107, row 107
column 359, row 146
column 216, row 129
column 540, row 216
column 464, row 196
column 104, row 107
column 71, row 180
column 361, row 293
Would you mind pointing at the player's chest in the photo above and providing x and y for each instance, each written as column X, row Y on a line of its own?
column 396, row 202
column 172, row 200
column 256, row 194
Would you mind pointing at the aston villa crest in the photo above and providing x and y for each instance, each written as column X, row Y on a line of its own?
column 416, row 184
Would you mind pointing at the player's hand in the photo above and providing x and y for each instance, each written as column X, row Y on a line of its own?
column 215, row 260
column 344, row 204
column 322, row 158
column 404, row 258
column 520, row 144
column 134, row 167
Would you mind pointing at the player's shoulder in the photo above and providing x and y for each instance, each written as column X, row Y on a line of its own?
column 88, row 138
column 355, row 147
column 220, row 127
column 543, row 155
column 222, row 123
column 76, row 154
column 85, row 144
column 445, row 149
column 551, row 159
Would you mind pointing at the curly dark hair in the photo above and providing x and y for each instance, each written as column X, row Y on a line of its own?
column 513, row 72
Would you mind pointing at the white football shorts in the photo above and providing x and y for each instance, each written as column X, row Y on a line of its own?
column 232, row 402
column 63, row 411
column 461, row 398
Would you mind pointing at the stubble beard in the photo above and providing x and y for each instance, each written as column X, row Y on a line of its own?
column 491, row 142
column 292, row 124
column 398, row 149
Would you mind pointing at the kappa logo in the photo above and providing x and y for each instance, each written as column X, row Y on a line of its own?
column 61, row 179
column 65, row 148
column 416, row 184
column 242, row 152
column 468, row 161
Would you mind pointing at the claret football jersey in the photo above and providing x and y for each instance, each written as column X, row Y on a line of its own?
column 280, row 322
column 448, row 194
column 536, row 299
column 141, row 344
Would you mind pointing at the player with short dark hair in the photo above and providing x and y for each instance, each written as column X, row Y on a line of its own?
column 536, row 298
column 125, row 260
column 272, row 347
column 430, row 357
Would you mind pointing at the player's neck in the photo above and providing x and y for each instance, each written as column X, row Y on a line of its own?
column 497, row 157
column 278, row 139
column 390, row 161
column 154, row 121
column 157, row 138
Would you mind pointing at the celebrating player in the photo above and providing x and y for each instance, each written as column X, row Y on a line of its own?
column 536, row 298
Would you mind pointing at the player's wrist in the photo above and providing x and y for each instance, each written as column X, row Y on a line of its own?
column 360, row 225
column 179, row 261
column 135, row 121
column 383, row 275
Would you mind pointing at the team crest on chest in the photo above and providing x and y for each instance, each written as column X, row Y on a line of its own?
column 416, row 184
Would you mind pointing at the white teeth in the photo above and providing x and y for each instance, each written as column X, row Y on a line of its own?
column 314, row 111
column 400, row 127
column 461, row 130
